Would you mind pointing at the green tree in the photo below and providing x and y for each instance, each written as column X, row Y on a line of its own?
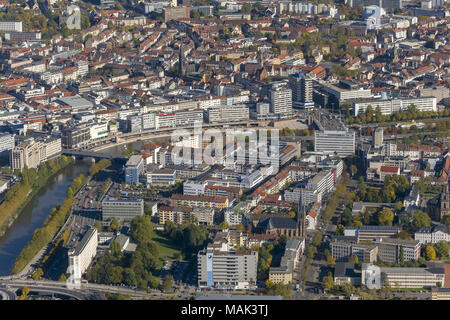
column 398, row 206
column 167, row 283
column 385, row 217
column 98, row 225
column 442, row 248
column 114, row 226
column 195, row 14
column 347, row 289
column 340, row 230
column 141, row 229
column 446, row 220
column 420, row 219
column 310, row 251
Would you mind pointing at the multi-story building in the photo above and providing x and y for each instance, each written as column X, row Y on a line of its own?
column 133, row 169
column 390, row 250
column 302, row 90
column 372, row 233
column 81, row 256
column 341, row 142
column 227, row 113
column 123, row 209
column 161, row 177
column 6, row 143
column 388, row 107
column 75, row 136
column 176, row 13
column 179, row 200
column 343, row 92
column 174, row 214
column 194, row 188
column 188, row 118
column 377, row 138
column 293, row 251
column 11, row 26
column 98, row 130
column 281, row 101
column 178, row 215
column 28, row 153
column 428, row 277
column 227, row 269
column 432, row 234
column 52, row 147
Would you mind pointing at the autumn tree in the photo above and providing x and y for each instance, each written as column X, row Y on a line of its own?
column 328, row 282
column 430, row 253
column 385, row 217
column 340, row 230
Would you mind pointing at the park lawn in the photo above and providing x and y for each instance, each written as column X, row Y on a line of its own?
column 167, row 248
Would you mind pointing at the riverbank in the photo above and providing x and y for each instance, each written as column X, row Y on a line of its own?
column 59, row 215
column 22, row 193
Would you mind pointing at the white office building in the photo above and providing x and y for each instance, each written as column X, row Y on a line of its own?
column 6, row 142
column 389, row 106
column 194, row 189
column 11, row 26
column 227, row 269
column 81, row 256
column 330, row 141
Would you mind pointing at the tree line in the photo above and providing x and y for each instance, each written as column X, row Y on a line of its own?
column 32, row 180
column 412, row 113
column 42, row 236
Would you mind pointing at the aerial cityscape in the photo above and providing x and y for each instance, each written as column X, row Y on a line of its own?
column 224, row 150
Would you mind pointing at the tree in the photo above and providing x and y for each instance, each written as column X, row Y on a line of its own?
column 310, row 251
column 62, row 278
column 195, row 14
column 114, row 226
column 224, row 225
column 446, row 220
column 420, row 219
column 404, row 235
column 340, row 230
column 331, row 261
column 98, row 225
column 385, row 217
column 442, row 248
column 167, row 283
column 430, row 253
column 246, row 8
column 37, row 275
column 348, row 289
column 25, row 291
column 398, row 206
column 328, row 282
column 141, row 229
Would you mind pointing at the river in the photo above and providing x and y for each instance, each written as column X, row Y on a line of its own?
column 35, row 213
